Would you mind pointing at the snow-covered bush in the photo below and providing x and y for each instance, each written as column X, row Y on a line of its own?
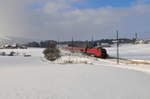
column 3, row 54
column 52, row 52
column 73, row 60
column 12, row 53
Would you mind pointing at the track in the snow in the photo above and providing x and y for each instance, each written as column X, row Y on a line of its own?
column 126, row 61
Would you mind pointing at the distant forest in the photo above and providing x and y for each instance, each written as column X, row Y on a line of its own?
column 44, row 44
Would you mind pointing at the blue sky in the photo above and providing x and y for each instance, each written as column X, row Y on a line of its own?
column 95, row 4
column 105, row 3
column 35, row 6
column 84, row 4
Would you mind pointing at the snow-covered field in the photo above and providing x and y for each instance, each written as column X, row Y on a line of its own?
column 131, row 51
column 36, row 78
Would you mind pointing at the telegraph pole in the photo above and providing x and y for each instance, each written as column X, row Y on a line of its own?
column 72, row 43
column 117, row 46
column 58, row 42
column 92, row 40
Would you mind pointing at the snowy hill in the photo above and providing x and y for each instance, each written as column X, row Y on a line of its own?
column 14, row 40
column 4, row 40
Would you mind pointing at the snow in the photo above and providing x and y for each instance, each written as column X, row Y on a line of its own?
column 72, row 82
column 36, row 78
column 33, row 51
column 132, row 51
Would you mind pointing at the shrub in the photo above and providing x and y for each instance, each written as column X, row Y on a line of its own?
column 12, row 53
column 52, row 52
column 3, row 54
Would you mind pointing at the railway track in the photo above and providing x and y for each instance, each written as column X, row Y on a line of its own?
column 121, row 60
column 126, row 61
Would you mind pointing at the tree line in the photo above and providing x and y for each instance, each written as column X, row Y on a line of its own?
column 45, row 44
